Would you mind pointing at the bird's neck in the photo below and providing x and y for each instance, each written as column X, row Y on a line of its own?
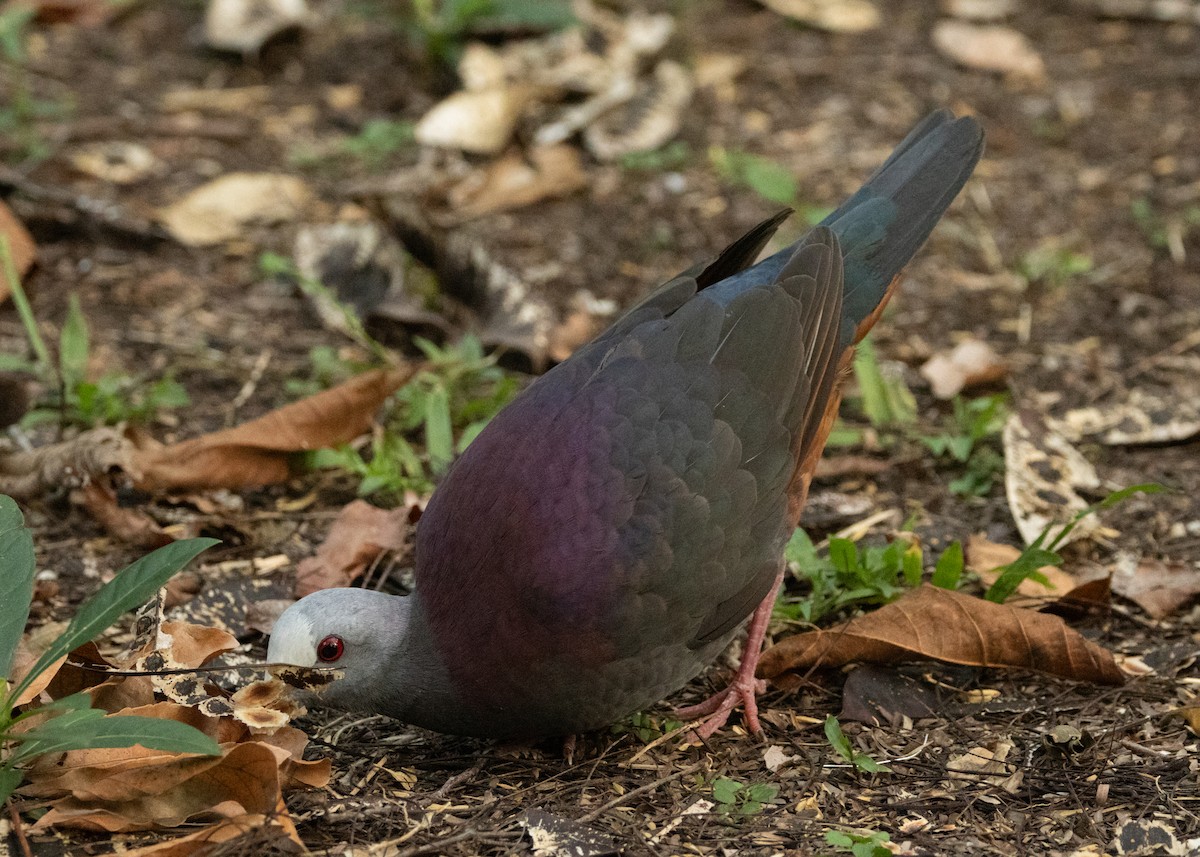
column 413, row 684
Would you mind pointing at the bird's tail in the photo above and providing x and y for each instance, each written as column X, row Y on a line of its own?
column 882, row 226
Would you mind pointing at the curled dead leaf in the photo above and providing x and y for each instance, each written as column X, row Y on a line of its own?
column 261, row 451
column 221, row 209
column 357, row 538
column 970, row 363
column 988, row 47
column 939, row 624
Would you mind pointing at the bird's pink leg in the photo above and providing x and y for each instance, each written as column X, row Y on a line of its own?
column 717, row 708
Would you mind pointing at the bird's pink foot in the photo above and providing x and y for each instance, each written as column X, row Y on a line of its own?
column 745, row 687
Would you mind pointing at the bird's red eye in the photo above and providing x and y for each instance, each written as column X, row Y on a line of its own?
column 330, row 649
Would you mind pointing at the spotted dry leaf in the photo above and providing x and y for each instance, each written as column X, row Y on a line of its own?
column 1043, row 473
column 1145, row 417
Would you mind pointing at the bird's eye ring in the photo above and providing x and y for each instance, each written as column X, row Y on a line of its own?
column 330, row 649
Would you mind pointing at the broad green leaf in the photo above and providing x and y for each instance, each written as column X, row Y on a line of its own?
column 949, row 567
column 9, row 780
column 131, row 587
column 725, row 790
column 73, row 345
column 837, row 739
column 17, row 570
column 92, row 729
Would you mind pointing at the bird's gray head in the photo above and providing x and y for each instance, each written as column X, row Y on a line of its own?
column 355, row 630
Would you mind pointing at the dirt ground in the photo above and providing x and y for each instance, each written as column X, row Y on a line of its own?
column 1111, row 127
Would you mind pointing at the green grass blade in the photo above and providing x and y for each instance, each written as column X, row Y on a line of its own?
column 17, row 570
column 75, row 731
column 131, row 587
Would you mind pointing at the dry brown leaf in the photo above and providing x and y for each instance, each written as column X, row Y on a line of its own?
column 244, row 26
column 967, row 364
column 1144, row 417
column 1160, row 587
column 836, row 16
column 71, row 463
column 359, row 535
column 478, row 121
column 221, row 209
column 985, row 558
column 20, row 246
column 938, row 624
column 988, row 47
column 203, row 841
column 261, row 451
column 517, row 180
column 130, row 525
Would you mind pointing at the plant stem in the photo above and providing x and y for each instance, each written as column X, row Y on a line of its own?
column 24, row 310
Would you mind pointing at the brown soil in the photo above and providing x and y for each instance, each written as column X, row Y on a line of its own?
column 1114, row 123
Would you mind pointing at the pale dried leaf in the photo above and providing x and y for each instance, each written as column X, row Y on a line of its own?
column 244, row 26
column 519, row 179
column 988, row 47
column 221, row 209
column 1160, row 587
column 968, row 364
column 477, row 121
column 836, row 16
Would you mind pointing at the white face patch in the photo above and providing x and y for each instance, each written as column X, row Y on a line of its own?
column 292, row 640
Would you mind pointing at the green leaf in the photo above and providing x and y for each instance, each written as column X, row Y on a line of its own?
column 9, row 780
column 725, row 790
column 17, row 569
column 949, row 568
column 837, row 738
column 73, row 346
column 1023, row 567
column 439, row 435
column 91, row 729
column 129, row 588
column 762, row 792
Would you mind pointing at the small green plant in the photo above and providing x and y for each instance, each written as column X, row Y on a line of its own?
column 970, row 441
column 1044, row 549
column 71, row 723
column 848, row 576
column 22, row 110
column 448, row 403
column 860, row 843
column 646, row 727
column 670, row 157
column 886, row 400
column 842, row 746
column 738, row 800
column 439, row 28
column 1149, row 222
column 328, row 369
column 378, row 140
column 1054, row 265
column 851, row 575
column 73, row 399
column 770, row 180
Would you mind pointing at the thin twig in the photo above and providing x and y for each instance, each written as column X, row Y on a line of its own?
column 640, row 790
column 19, row 829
